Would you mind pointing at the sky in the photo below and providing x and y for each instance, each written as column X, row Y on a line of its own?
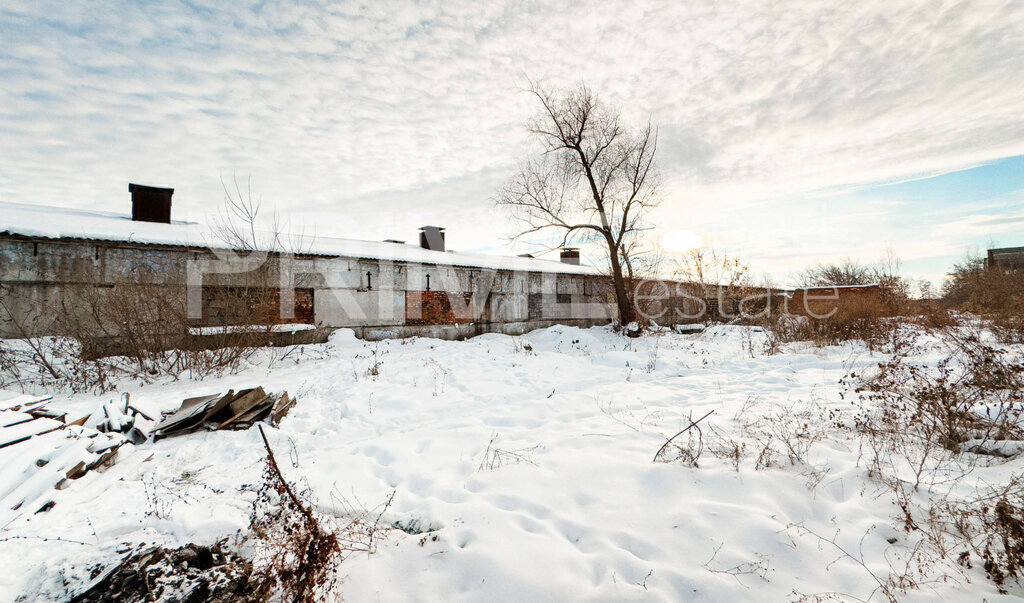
column 790, row 133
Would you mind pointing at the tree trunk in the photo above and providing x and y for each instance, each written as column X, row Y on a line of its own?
column 622, row 299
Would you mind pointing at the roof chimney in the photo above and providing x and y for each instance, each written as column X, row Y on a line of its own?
column 432, row 238
column 151, row 204
column 571, row 255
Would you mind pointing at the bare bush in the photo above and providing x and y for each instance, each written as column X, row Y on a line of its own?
column 297, row 550
column 852, row 318
column 759, row 568
column 688, row 451
column 135, row 330
column 851, row 314
column 722, row 280
column 496, row 458
column 908, row 567
column 784, row 432
column 849, row 272
column 724, row 447
column 968, row 399
column 296, row 556
column 986, row 528
column 926, row 425
column 844, row 273
column 993, row 292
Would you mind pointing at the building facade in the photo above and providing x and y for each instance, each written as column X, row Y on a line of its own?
column 61, row 268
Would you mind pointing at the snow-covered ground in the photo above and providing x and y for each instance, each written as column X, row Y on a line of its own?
column 586, row 515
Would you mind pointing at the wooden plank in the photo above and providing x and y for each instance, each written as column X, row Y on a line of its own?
column 77, row 471
column 79, row 421
column 23, row 431
column 189, row 414
column 221, row 409
column 10, row 417
column 281, row 408
column 249, row 416
column 58, row 415
column 249, row 400
column 21, row 401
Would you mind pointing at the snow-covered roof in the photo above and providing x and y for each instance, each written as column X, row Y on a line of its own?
column 65, row 223
column 865, row 286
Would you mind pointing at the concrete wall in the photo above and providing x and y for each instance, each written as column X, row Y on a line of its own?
column 41, row 279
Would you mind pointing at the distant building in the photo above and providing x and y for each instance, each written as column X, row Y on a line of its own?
column 1005, row 257
column 820, row 301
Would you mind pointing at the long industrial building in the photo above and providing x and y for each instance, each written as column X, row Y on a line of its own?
column 56, row 263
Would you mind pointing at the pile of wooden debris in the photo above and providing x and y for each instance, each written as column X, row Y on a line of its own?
column 190, row 573
column 233, row 410
column 40, row 450
column 43, row 449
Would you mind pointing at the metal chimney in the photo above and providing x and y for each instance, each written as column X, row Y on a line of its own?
column 151, row 204
column 432, row 238
column 571, row 255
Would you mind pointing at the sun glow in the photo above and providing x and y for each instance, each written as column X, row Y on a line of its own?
column 680, row 241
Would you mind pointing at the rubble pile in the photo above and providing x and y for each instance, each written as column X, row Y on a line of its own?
column 191, row 573
column 233, row 410
column 42, row 450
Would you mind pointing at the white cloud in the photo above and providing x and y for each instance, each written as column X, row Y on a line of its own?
column 366, row 119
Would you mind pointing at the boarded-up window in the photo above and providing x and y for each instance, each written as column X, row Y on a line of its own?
column 535, row 306
column 435, row 308
column 223, row 306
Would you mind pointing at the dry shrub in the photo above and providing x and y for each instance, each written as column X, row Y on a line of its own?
column 783, row 328
column 296, row 556
column 140, row 320
column 863, row 318
column 297, row 550
column 925, row 425
column 496, row 458
column 930, row 314
column 784, row 432
column 771, row 435
column 855, row 318
column 988, row 528
column 724, row 447
column 684, row 450
column 992, row 292
column 941, row 404
column 1003, row 553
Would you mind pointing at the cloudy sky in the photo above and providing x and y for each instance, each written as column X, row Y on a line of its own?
column 790, row 132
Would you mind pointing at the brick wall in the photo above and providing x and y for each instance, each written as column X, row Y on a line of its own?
column 435, row 308
column 304, row 306
column 252, row 305
column 822, row 300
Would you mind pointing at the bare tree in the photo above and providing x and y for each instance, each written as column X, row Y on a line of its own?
column 719, row 276
column 712, row 270
column 594, row 182
column 847, row 272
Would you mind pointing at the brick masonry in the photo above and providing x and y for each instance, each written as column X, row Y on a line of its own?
column 823, row 300
column 435, row 308
column 238, row 306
